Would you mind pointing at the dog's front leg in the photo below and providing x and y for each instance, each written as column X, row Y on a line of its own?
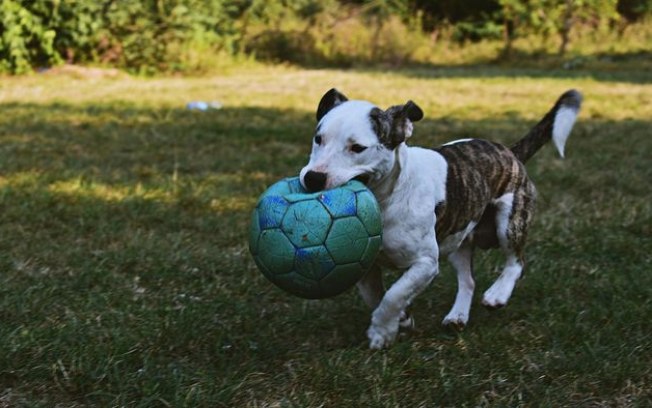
column 385, row 318
column 372, row 290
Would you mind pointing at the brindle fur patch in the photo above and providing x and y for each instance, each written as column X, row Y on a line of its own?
column 479, row 172
column 381, row 123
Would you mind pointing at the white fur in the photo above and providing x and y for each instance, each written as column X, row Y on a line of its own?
column 408, row 208
column 462, row 262
column 562, row 126
column 503, row 212
column 345, row 125
column 408, row 234
column 457, row 141
column 500, row 292
column 452, row 242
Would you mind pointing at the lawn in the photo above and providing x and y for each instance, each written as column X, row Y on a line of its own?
column 125, row 278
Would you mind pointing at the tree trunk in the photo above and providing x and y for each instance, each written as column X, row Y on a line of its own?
column 375, row 40
column 565, row 30
column 508, row 38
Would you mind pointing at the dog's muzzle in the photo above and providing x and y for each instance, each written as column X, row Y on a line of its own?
column 314, row 181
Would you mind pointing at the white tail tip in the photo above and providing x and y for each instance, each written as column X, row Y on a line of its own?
column 562, row 126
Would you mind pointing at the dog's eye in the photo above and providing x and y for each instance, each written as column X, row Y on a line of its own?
column 356, row 148
column 318, row 139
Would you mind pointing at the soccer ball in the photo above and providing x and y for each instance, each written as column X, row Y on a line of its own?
column 315, row 245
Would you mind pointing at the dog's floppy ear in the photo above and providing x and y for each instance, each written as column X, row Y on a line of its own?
column 330, row 100
column 412, row 111
column 402, row 117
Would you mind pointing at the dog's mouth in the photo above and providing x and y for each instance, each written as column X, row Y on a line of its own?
column 363, row 178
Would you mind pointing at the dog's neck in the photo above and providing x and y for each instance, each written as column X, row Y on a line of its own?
column 385, row 185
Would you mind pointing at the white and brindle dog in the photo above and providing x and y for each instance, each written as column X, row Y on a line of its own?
column 435, row 202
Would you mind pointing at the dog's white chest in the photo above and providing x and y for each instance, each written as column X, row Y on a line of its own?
column 409, row 211
column 402, row 244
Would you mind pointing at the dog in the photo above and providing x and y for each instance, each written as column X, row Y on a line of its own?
column 445, row 201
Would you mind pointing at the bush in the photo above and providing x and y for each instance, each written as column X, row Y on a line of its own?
column 26, row 39
column 143, row 36
column 337, row 38
column 153, row 36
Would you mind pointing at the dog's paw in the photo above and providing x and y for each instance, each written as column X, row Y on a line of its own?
column 499, row 293
column 455, row 320
column 495, row 298
column 382, row 336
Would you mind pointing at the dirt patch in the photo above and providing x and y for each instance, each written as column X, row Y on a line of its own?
column 77, row 71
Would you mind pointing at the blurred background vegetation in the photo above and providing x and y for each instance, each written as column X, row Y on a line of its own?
column 197, row 36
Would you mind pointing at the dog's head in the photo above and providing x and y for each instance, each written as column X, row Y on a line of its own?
column 355, row 140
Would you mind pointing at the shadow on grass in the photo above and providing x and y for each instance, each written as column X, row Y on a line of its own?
column 123, row 247
column 130, row 145
column 576, row 71
column 628, row 67
column 633, row 67
column 133, row 143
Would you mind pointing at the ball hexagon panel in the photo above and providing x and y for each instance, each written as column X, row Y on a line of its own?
column 296, row 197
column 347, row 240
column 263, row 268
column 275, row 251
column 355, row 186
column 370, row 253
column 299, row 285
column 271, row 210
column 369, row 212
column 341, row 278
column 315, row 245
column 284, row 187
column 306, row 223
column 294, row 184
column 340, row 202
column 313, row 262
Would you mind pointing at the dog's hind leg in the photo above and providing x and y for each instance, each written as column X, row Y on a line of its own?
column 513, row 216
column 372, row 290
column 501, row 290
column 462, row 261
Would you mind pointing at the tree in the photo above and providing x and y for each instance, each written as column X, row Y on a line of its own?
column 568, row 12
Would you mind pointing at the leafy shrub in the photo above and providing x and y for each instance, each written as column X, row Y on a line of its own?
column 26, row 39
column 150, row 36
column 339, row 38
column 142, row 36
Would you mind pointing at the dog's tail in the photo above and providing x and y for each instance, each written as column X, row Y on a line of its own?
column 556, row 125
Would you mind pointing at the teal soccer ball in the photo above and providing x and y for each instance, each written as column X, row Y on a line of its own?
column 315, row 245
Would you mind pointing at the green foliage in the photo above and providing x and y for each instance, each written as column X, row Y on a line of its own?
column 634, row 10
column 338, row 36
column 142, row 36
column 26, row 38
column 151, row 36
column 544, row 18
column 477, row 31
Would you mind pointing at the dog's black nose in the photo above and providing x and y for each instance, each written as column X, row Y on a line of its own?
column 314, row 181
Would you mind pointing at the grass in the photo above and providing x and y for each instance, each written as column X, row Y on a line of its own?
column 126, row 280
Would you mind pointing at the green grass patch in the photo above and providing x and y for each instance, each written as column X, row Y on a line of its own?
column 126, row 281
